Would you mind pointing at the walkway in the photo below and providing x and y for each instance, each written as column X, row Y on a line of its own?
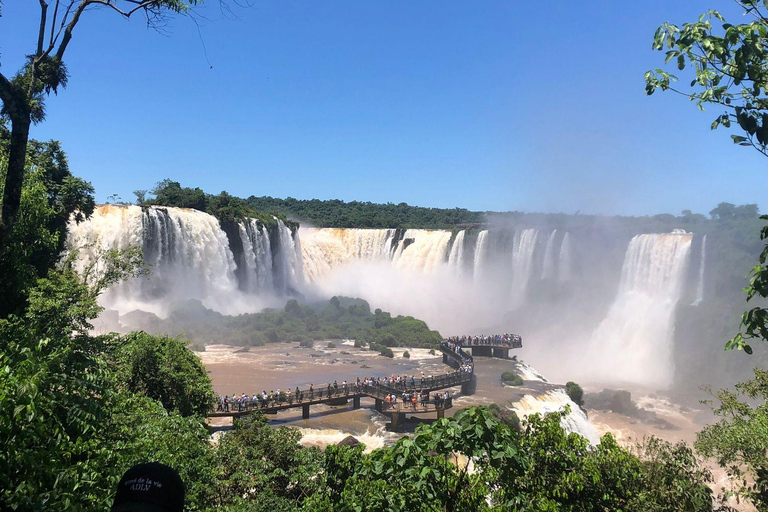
column 454, row 355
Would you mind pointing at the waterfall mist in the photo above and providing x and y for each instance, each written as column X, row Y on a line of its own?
column 595, row 299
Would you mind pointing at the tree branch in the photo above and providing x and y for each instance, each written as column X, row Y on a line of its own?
column 70, row 26
column 53, row 25
column 43, row 20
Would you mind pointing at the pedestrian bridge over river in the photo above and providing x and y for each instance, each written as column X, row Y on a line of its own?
column 454, row 355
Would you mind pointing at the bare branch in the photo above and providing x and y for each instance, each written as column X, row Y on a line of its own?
column 43, row 20
column 70, row 26
column 112, row 6
column 53, row 26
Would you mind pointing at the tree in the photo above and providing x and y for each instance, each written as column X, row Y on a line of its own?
column 163, row 369
column 23, row 95
column 739, row 441
column 730, row 69
column 51, row 195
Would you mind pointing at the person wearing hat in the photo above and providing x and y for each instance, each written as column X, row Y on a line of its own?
column 151, row 487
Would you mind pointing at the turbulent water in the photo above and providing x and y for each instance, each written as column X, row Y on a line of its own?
column 554, row 401
column 601, row 307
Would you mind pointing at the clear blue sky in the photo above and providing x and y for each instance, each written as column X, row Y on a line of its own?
column 486, row 105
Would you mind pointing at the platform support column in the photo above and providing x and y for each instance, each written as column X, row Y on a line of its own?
column 356, row 402
column 398, row 418
column 305, row 411
column 379, row 406
column 440, row 414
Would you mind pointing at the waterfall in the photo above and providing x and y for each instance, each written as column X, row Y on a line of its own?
column 422, row 249
column 257, row 256
column 548, row 268
column 523, row 248
column 480, row 250
column 564, row 268
column 702, row 266
column 187, row 251
column 634, row 341
column 456, row 257
column 287, row 261
column 326, row 249
column 554, row 401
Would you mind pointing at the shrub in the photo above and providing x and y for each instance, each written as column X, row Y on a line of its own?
column 505, row 416
column 575, row 393
column 386, row 351
column 407, row 354
column 331, row 344
column 307, row 343
column 431, row 351
column 511, row 379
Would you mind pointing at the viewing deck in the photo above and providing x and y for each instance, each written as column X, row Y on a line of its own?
column 453, row 355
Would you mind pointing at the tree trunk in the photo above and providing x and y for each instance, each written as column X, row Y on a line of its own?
column 15, row 177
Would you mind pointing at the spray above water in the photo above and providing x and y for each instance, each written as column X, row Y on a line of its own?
column 558, row 289
column 634, row 342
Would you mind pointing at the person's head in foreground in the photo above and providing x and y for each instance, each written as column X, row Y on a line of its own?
column 151, row 487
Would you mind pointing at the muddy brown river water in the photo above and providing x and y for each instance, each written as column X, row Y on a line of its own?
column 283, row 366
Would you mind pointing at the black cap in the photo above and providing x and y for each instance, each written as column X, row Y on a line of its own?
column 151, row 487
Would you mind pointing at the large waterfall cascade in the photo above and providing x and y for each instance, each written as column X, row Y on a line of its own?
column 189, row 257
column 634, row 341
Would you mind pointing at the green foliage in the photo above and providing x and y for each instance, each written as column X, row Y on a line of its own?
column 407, row 354
column 225, row 207
column 511, row 378
column 574, row 392
column 754, row 322
column 331, row 344
column 505, row 416
column 739, row 441
column 163, row 369
column 671, row 474
column 339, row 318
column 49, row 196
column 730, row 69
column 382, row 349
column 355, row 214
column 258, row 462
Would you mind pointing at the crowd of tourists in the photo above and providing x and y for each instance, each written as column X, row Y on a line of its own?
column 373, row 385
column 414, row 389
column 507, row 340
column 441, row 399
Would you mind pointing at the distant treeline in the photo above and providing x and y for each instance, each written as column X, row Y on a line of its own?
column 339, row 318
column 334, row 213
column 225, row 207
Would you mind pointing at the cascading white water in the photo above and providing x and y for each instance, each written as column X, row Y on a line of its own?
column 257, row 256
column 634, row 341
column 548, row 268
column 287, row 261
column 523, row 249
column 187, row 250
column 554, row 401
column 480, row 253
column 326, row 249
column 456, row 257
column 565, row 264
column 422, row 249
column 702, row 266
